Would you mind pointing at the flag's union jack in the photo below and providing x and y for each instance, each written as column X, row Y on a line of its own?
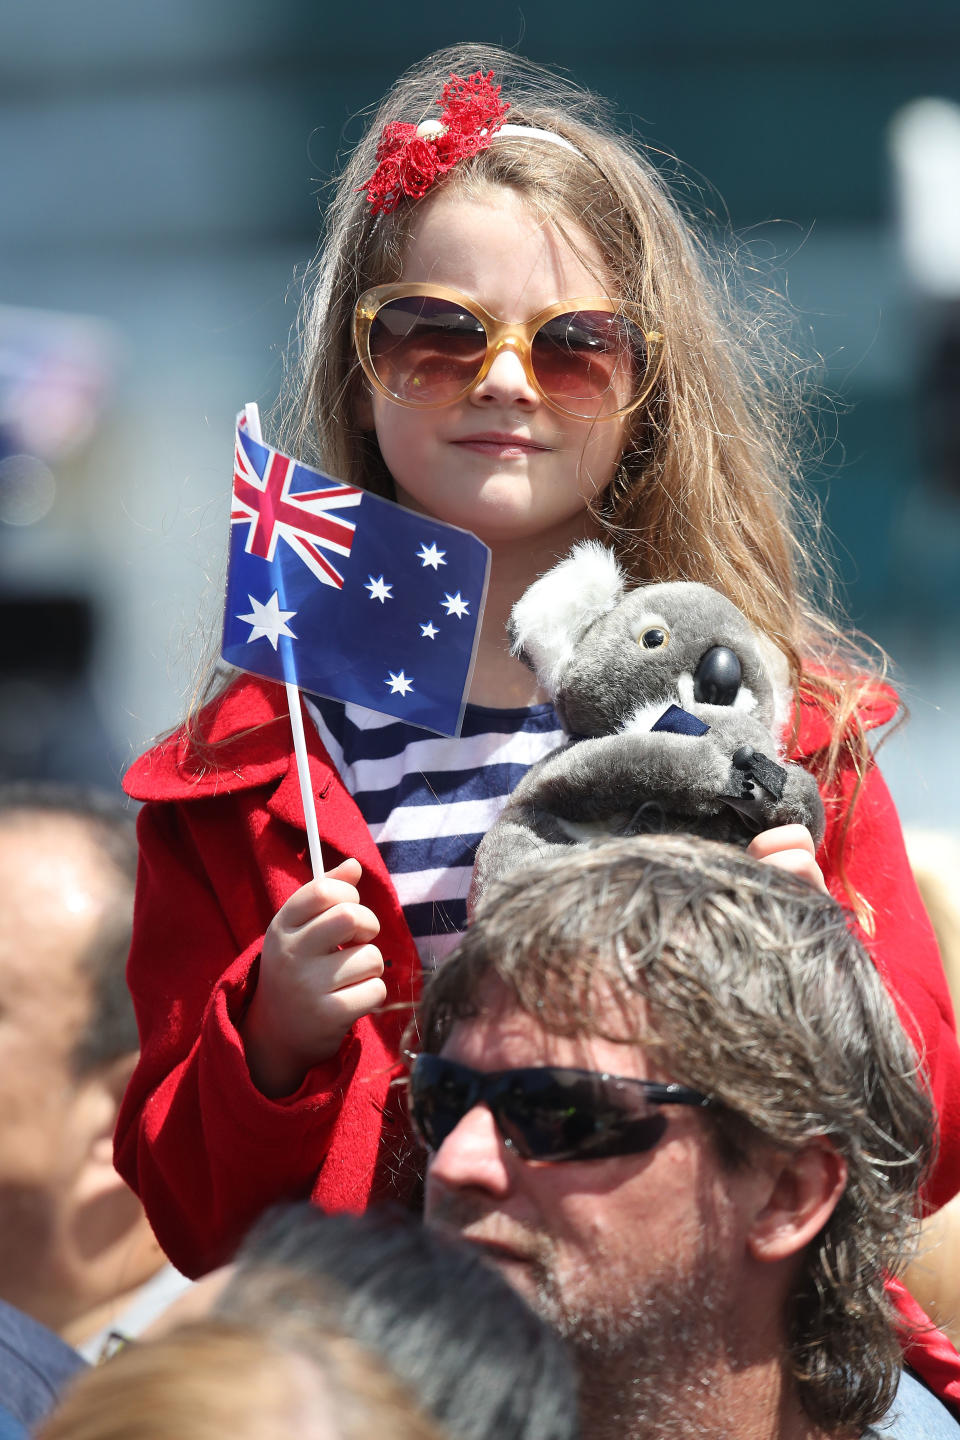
column 304, row 520
column 395, row 633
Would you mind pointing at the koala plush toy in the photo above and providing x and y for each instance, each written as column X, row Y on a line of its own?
column 673, row 711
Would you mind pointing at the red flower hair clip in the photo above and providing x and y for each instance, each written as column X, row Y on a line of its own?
column 410, row 157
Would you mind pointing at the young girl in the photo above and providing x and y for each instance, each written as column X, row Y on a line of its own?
column 607, row 399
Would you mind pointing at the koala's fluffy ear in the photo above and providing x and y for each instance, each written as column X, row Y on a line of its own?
column 549, row 619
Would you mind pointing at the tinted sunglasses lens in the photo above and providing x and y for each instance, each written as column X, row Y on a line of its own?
column 441, row 1093
column 543, row 1113
column 565, row 1115
column 542, row 1117
column 589, row 362
column 426, row 350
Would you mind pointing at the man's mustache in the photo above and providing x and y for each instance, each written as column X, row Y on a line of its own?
column 470, row 1218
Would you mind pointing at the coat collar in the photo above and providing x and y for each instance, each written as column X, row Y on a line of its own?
column 246, row 743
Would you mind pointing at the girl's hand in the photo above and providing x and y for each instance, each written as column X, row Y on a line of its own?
column 791, row 848
column 319, row 972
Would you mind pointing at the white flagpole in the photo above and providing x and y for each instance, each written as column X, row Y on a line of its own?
column 294, row 705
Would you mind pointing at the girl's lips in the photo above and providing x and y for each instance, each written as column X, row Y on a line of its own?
column 500, row 443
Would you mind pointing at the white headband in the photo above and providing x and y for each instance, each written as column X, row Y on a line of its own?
column 430, row 129
column 536, row 134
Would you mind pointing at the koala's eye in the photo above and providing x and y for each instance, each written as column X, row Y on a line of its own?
column 716, row 680
column 654, row 637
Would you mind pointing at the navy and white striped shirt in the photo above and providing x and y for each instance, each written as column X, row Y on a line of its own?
column 429, row 800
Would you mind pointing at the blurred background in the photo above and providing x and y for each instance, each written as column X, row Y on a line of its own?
column 163, row 165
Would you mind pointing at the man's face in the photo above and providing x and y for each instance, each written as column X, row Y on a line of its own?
column 640, row 1252
column 51, row 897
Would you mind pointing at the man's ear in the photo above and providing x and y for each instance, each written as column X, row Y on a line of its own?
column 99, row 1102
column 805, row 1188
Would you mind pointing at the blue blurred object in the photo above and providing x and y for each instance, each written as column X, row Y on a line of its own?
column 10, row 1428
column 34, row 1365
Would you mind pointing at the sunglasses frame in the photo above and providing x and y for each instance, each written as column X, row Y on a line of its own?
column 488, row 1087
column 517, row 336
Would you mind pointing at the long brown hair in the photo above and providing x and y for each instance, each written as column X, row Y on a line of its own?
column 706, row 486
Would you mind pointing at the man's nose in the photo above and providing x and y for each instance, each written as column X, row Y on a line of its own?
column 472, row 1156
column 506, row 382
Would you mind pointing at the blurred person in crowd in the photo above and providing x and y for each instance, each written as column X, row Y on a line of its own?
column 215, row 1379
column 664, row 1090
column 76, row 1252
column 34, row 1364
column 474, row 1355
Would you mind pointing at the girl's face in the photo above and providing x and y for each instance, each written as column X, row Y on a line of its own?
column 499, row 462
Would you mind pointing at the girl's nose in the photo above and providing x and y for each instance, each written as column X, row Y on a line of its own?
column 506, row 382
column 473, row 1156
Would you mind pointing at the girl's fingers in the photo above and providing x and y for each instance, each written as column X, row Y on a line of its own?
column 800, row 864
column 343, row 1007
column 314, row 898
column 790, row 848
column 349, row 870
column 343, row 925
column 781, row 838
column 352, row 966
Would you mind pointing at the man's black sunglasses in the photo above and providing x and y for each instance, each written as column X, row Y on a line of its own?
column 545, row 1112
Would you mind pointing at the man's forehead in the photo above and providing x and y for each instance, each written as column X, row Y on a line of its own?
column 52, row 894
column 501, row 1035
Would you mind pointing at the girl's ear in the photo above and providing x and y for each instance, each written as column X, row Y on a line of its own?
column 363, row 407
column 805, row 1187
column 550, row 619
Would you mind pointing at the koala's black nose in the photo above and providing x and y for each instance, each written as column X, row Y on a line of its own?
column 716, row 680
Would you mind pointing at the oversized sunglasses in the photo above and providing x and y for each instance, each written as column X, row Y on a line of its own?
column 425, row 345
column 545, row 1112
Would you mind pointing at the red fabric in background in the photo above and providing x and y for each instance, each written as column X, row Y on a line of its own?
column 903, row 945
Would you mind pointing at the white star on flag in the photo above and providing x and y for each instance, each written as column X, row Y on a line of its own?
column 399, row 684
column 430, row 555
column 268, row 620
column 429, row 630
column 378, row 591
column 456, row 605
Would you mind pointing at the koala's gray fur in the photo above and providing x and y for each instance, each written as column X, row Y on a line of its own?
column 579, row 628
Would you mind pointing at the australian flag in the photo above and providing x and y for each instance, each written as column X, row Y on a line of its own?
column 348, row 595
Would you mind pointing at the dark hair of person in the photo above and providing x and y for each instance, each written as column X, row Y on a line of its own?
column 472, row 1352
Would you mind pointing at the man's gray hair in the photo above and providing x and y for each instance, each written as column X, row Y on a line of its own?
column 748, row 985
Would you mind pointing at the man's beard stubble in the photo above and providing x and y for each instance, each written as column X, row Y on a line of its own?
column 649, row 1366
column 652, row 1370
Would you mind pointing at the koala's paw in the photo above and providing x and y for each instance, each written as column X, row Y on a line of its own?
column 767, row 793
column 513, row 841
column 801, row 803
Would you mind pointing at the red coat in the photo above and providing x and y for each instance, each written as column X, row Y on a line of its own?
column 222, row 848
column 205, row 1151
